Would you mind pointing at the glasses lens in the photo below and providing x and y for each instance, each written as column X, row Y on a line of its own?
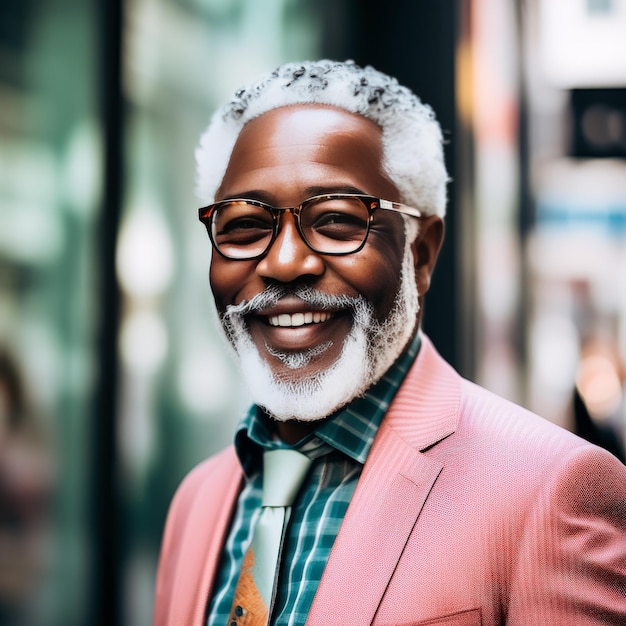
column 241, row 230
column 335, row 225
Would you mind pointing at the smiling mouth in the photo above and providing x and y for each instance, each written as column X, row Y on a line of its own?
column 291, row 320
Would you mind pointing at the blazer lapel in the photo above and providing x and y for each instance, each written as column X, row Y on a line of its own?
column 377, row 525
column 190, row 555
column 396, row 481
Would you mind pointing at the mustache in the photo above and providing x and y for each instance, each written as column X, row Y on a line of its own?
column 272, row 294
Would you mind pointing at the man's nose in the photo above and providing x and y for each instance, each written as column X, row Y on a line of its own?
column 289, row 258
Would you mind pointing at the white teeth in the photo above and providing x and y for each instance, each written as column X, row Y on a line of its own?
column 298, row 319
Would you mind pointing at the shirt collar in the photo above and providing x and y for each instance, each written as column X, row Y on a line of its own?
column 351, row 431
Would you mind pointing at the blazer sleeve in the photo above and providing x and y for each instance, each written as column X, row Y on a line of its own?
column 571, row 564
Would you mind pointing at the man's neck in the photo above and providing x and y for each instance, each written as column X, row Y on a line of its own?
column 292, row 431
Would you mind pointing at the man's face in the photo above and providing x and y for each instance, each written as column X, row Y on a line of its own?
column 284, row 157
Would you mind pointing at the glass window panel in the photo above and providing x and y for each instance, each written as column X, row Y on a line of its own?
column 49, row 197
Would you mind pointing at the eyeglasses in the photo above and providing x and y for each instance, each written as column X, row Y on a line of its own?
column 333, row 224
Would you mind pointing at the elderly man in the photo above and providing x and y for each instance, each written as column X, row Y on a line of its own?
column 420, row 498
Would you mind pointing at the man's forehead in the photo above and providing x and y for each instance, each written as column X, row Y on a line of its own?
column 308, row 147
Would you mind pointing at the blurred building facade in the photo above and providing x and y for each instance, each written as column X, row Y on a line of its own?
column 105, row 308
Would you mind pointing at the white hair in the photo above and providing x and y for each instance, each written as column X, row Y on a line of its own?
column 412, row 139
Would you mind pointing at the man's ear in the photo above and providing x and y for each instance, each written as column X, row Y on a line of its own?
column 426, row 250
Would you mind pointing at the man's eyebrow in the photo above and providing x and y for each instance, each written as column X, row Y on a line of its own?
column 251, row 194
column 315, row 190
column 321, row 190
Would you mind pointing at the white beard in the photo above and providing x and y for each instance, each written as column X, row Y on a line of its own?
column 370, row 348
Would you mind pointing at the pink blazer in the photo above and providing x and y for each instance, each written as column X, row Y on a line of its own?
column 470, row 510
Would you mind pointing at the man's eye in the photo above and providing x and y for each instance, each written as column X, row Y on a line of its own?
column 242, row 224
column 242, row 230
column 338, row 225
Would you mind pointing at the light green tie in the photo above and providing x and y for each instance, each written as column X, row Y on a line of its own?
column 283, row 474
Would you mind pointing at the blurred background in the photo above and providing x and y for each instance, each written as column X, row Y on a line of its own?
column 113, row 379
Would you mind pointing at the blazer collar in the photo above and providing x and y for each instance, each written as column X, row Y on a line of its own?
column 426, row 407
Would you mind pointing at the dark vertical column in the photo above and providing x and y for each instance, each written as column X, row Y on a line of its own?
column 414, row 40
column 526, row 209
column 105, row 605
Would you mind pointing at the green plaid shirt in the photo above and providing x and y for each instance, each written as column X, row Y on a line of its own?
column 340, row 447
